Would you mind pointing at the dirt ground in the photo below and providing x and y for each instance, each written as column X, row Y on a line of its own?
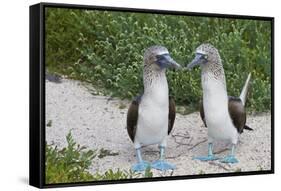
column 100, row 123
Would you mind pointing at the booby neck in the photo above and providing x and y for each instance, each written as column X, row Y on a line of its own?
column 156, row 60
column 213, row 73
column 154, row 80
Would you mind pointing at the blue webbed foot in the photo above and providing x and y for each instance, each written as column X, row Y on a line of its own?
column 140, row 166
column 210, row 156
column 206, row 158
column 162, row 165
column 229, row 159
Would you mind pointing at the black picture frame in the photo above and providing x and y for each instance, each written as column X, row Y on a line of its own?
column 37, row 94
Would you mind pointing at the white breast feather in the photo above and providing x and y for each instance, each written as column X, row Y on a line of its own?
column 152, row 126
column 215, row 102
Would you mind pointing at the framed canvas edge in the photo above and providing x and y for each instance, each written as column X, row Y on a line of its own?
column 37, row 88
column 155, row 11
column 36, row 130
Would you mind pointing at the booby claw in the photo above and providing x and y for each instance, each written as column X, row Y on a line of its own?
column 229, row 159
column 206, row 158
column 162, row 165
column 140, row 166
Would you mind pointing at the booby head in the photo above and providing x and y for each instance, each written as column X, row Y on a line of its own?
column 205, row 54
column 158, row 58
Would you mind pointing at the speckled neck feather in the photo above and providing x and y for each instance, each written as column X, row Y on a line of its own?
column 151, row 77
column 214, row 69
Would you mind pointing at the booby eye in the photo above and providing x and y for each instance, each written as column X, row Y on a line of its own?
column 161, row 56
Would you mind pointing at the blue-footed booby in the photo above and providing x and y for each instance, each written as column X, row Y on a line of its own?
column 225, row 117
column 151, row 116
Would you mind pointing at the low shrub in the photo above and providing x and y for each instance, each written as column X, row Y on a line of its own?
column 106, row 49
column 69, row 164
column 72, row 164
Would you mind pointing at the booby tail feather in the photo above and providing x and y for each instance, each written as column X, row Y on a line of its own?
column 244, row 92
column 248, row 128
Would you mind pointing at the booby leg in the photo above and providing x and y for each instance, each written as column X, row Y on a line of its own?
column 141, row 165
column 230, row 158
column 210, row 156
column 161, row 164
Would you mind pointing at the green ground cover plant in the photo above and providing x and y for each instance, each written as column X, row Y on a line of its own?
column 72, row 163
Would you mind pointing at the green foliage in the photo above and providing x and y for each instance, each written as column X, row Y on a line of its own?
column 148, row 173
column 238, row 170
column 49, row 124
column 104, row 152
column 72, row 163
column 117, row 175
column 106, row 49
column 201, row 172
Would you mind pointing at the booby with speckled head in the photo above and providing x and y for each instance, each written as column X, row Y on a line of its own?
column 224, row 116
column 151, row 116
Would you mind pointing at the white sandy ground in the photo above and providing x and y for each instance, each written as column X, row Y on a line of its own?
column 98, row 122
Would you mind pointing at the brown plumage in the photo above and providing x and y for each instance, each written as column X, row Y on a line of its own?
column 236, row 111
column 132, row 116
column 172, row 114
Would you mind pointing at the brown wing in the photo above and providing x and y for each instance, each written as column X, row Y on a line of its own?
column 132, row 117
column 172, row 114
column 202, row 114
column 237, row 113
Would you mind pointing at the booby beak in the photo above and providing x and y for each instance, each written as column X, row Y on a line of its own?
column 198, row 60
column 166, row 61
